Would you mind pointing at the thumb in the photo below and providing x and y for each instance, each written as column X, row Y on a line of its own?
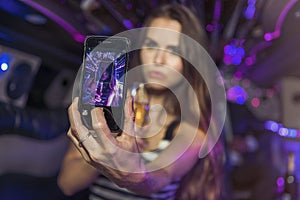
column 129, row 116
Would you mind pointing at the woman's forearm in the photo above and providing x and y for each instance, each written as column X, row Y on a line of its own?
column 76, row 174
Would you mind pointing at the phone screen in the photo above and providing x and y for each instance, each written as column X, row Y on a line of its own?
column 103, row 81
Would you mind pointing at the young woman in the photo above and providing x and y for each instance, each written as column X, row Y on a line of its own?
column 157, row 166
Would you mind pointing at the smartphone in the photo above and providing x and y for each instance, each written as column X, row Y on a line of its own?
column 103, row 79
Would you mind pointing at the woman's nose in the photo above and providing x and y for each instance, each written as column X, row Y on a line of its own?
column 159, row 56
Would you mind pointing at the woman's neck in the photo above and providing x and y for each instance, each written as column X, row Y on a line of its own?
column 156, row 96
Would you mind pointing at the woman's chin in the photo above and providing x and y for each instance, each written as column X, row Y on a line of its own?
column 155, row 86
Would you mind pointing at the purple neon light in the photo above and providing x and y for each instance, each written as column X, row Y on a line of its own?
column 238, row 75
column 280, row 181
column 237, row 94
column 251, row 59
column 60, row 21
column 213, row 26
column 209, row 27
column 128, row 24
column 277, row 31
column 258, row 47
column 217, row 11
column 233, row 54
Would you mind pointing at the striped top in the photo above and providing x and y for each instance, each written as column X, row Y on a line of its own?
column 104, row 189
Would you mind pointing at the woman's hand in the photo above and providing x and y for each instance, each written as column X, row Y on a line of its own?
column 119, row 158
column 116, row 157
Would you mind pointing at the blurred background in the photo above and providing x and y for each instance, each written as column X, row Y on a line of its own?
column 254, row 43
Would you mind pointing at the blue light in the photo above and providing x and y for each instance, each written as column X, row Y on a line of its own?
column 236, row 60
column 240, row 99
column 250, row 11
column 237, row 94
column 128, row 24
column 282, row 131
column 16, row 8
column 240, row 51
column 240, row 94
column 233, row 54
column 238, row 89
column 292, row 132
column 230, row 50
column 268, row 125
column 272, row 126
column 4, row 67
column 4, row 61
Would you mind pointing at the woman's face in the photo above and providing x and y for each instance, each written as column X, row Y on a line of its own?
column 162, row 65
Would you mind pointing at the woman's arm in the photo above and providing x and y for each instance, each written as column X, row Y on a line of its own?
column 76, row 174
column 177, row 159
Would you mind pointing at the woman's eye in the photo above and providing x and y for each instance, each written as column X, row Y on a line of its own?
column 174, row 50
column 150, row 44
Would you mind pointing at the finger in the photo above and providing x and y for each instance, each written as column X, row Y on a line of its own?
column 101, row 128
column 82, row 134
column 128, row 108
column 129, row 135
column 71, row 110
column 129, row 117
column 129, row 105
column 77, row 127
column 82, row 151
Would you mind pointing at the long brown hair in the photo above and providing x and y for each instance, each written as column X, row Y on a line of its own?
column 204, row 180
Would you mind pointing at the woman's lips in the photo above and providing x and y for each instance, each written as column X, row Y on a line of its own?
column 157, row 75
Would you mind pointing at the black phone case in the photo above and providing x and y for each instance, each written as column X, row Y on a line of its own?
column 108, row 111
